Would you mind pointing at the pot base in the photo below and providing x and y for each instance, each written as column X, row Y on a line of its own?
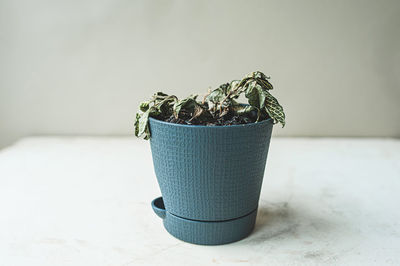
column 205, row 232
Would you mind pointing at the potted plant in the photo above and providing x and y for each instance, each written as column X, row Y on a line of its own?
column 209, row 157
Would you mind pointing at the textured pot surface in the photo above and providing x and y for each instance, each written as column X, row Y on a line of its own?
column 210, row 173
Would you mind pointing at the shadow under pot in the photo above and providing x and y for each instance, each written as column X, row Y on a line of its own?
column 210, row 178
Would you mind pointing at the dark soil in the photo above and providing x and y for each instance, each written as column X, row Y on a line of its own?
column 226, row 120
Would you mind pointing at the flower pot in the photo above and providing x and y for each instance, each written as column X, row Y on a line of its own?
column 210, row 178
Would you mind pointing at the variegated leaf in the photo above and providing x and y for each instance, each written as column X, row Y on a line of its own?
column 274, row 109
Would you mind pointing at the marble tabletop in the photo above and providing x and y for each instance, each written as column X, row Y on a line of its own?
column 86, row 201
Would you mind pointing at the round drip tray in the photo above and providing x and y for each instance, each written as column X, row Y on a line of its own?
column 205, row 232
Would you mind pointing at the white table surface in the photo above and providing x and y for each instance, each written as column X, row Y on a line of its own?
column 86, row 201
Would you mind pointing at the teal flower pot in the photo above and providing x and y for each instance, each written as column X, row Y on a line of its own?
column 210, row 178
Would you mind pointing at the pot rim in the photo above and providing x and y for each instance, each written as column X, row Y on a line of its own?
column 267, row 121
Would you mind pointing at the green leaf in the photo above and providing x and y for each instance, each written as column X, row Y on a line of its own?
column 144, row 106
column 164, row 108
column 154, row 112
column 265, row 84
column 274, row 109
column 255, row 96
column 143, row 127
column 160, row 95
column 197, row 112
column 137, row 124
column 232, row 89
column 186, row 104
column 241, row 110
column 256, row 75
column 215, row 96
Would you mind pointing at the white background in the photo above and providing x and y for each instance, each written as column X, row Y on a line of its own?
column 82, row 67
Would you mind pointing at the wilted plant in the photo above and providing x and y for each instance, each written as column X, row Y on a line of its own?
column 219, row 106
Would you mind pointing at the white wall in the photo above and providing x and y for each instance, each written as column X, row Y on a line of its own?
column 82, row 67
